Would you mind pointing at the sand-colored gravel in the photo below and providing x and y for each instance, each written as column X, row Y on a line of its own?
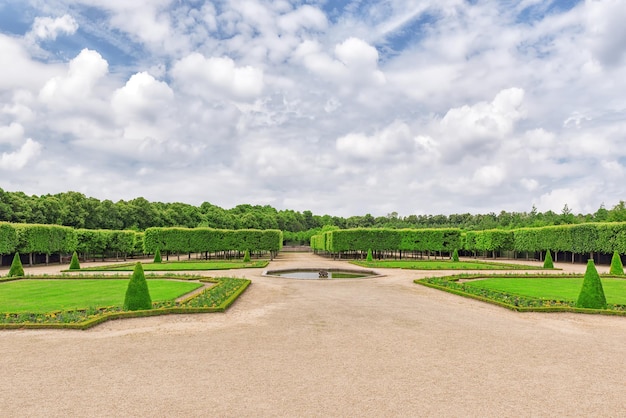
column 380, row 347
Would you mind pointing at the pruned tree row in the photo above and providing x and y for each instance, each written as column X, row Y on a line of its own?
column 382, row 240
column 32, row 239
column 589, row 238
column 209, row 240
column 604, row 238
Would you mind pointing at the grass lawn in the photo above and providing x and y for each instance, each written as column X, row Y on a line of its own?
column 565, row 289
column 42, row 295
column 182, row 266
column 443, row 265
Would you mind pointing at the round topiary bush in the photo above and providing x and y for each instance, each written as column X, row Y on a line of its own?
column 455, row 255
column 246, row 256
column 16, row 270
column 137, row 293
column 591, row 294
column 74, row 264
column 548, row 263
column 157, row 256
column 617, row 267
column 369, row 255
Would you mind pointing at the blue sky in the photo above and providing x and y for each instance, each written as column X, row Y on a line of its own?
column 339, row 107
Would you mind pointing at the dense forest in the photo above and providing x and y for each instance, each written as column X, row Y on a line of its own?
column 77, row 210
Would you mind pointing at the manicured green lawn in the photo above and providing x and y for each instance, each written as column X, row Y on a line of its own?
column 442, row 265
column 566, row 289
column 42, row 295
column 183, row 266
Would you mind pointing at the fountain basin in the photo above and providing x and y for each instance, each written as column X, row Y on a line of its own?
column 320, row 273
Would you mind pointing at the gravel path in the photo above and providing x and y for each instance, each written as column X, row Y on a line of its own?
column 379, row 347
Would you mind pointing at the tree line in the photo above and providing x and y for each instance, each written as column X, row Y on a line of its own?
column 79, row 211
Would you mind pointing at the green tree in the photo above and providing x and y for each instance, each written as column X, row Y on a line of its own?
column 157, row 256
column 137, row 293
column 74, row 264
column 246, row 256
column 617, row 267
column 16, row 270
column 369, row 255
column 455, row 255
column 591, row 294
column 547, row 262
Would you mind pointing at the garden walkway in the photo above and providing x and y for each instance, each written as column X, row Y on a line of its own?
column 378, row 347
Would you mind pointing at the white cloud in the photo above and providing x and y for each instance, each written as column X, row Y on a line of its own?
column 395, row 140
column 143, row 97
column 215, row 77
column 489, row 176
column 47, row 28
column 605, row 20
column 82, row 76
column 12, row 134
column 355, row 63
column 18, row 159
column 305, row 17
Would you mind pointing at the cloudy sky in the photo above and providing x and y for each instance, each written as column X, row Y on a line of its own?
column 342, row 107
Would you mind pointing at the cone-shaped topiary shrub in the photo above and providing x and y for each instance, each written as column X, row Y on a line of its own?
column 74, row 264
column 16, row 270
column 617, row 267
column 137, row 293
column 246, row 256
column 591, row 294
column 547, row 263
column 455, row 255
column 157, row 256
column 369, row 255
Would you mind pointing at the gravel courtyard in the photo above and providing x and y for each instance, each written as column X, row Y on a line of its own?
column 378, row 347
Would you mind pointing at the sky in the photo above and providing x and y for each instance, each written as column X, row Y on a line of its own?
column 341, row 107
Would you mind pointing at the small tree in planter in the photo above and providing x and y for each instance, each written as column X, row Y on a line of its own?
column 74, row 264
column 455, row 256
column 547, row 263
column 137, row 293
column 157, row 256
column 369, row 255
column 246, row 256
column 16, row 270
column 591, row 294
column 617, row 267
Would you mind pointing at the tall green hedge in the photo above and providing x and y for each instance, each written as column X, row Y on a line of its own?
column 382, row 239
column 185, row 240
column 8, row 238
column 45, row 239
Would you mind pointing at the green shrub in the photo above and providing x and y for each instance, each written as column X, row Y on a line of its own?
column 157, row 256
column 16, row 270
column 455, row 256
column 246, row 256
column 74, row 264
column 137, row 294
column 547, row 263
column 369, row 255
column 591, row 294
column 617, row 267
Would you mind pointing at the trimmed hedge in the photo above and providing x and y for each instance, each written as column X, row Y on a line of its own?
column 452, row 284
column 617, row 267
column 196, row 240
column 383, row 239
column 8, row 238
column 591, row 294
column 16, row 270
column 74, row 264
column 217, row 298
column 137, row 294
